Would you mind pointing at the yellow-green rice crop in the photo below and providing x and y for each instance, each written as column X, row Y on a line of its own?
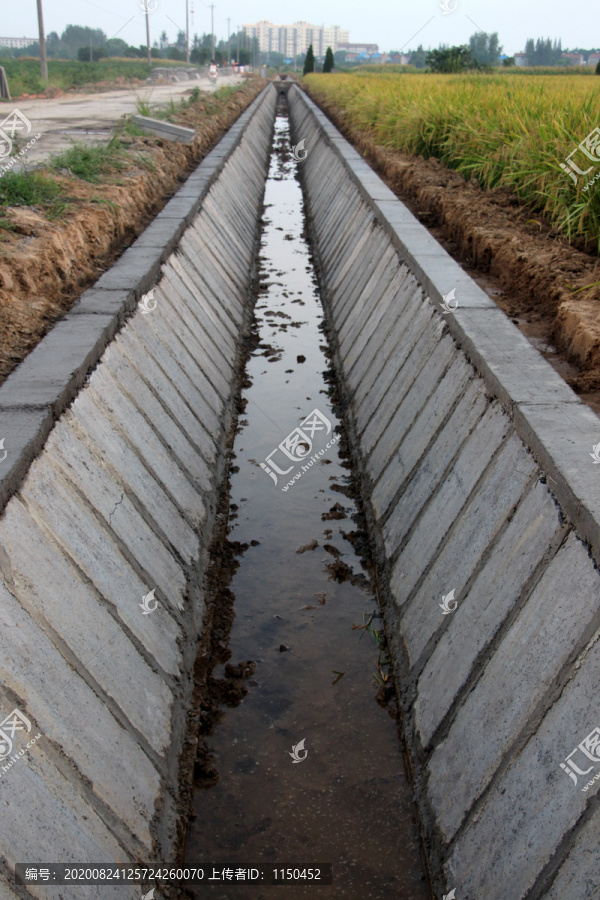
column 500, row 129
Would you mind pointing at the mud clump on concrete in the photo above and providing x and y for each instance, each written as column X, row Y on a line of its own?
column 336, row 512
column 312, row 545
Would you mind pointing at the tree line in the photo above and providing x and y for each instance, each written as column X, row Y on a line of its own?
column 79, row 42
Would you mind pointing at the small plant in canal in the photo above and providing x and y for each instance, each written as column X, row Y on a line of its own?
column 384, row 675
column 383, row 678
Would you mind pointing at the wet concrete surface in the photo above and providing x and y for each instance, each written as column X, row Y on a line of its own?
column 302, row 590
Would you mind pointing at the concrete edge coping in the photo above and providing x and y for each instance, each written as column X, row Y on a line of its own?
column 45, row 383
column 167, row 130
column 559, row 430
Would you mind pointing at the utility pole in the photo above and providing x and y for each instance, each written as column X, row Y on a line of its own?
column 238, row 45
column 212, row 30
column 187, row 32
column 228, row 51
column 91, row 57
column 43, row 62
column 149, row 55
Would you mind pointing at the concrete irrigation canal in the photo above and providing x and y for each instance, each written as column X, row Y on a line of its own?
column 299, row 544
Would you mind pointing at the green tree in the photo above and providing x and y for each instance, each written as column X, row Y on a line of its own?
column 309, row 61
column 76, row 36
column 451, row 59
column 329, row 62
column 543, row 52
column 83, row 54
column 598, row 68
column 485, row 48
column 116, row 47
column 418, row 58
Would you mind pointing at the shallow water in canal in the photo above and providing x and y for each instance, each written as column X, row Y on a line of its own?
column 347, row 800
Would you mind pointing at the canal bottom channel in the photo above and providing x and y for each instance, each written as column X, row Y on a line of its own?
column 307, row 665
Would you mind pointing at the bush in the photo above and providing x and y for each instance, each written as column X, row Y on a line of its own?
column 452, row 59
column 83, row 54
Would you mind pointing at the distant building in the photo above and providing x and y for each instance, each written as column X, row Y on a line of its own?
column 294, row 39
column 593, row 59
column 400, row 59
column 573, row 59
column 359, row 48
column 521, row 59
column 17, row 43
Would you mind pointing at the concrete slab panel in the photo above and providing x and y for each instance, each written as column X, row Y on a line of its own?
column 539, row 642
column 533, row 530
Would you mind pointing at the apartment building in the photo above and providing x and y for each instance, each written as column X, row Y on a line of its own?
column 16, row 42
column 293, row 39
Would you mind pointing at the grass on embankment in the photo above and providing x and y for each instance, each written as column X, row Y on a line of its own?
column 500, row 129
column 29, row 189
column 47, row 190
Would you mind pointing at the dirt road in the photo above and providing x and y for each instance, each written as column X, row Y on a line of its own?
column 91, row 118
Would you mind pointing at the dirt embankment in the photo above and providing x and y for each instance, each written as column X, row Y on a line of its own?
column 550, row 288
column 46, row 264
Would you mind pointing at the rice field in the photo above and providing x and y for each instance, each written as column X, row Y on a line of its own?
column 501, row 129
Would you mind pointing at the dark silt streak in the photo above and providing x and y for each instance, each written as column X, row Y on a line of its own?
column 348, row 802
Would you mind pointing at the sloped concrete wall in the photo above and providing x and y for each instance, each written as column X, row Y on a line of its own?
column 118, row 503
column 477, row 480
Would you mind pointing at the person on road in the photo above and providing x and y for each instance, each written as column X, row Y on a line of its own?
column 212, row 70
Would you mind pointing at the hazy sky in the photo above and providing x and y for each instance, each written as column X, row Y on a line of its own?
column 393, row 24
